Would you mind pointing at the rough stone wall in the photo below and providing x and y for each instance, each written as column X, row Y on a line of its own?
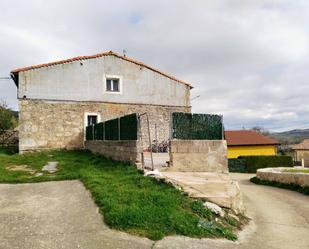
column 60, row 124
column 198, row 156
column 124, row 151
column 276, row 174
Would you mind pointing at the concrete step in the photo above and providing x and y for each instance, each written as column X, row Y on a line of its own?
column 215, row 187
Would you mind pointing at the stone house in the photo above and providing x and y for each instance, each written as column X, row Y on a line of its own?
column 301, row 152
column 58, row 100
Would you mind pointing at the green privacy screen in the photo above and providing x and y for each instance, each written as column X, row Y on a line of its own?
column 128, row 127
column 124, row 128
column 89, row 133
column 190, row 126
column 112, row 129
column 99, row 131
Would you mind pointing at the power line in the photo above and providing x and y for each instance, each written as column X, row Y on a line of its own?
column 5, row 78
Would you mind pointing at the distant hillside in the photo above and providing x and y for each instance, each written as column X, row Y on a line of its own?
column 291, row 137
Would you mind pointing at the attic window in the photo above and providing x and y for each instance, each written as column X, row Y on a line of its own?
column 112, row 85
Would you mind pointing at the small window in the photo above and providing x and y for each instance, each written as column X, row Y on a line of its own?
column 112, row 85
column 92, row 119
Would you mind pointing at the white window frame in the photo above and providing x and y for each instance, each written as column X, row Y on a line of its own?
column 86, row 114
column 108, row 76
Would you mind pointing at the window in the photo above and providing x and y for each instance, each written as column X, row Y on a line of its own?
column 92, row 119
column 112, row 85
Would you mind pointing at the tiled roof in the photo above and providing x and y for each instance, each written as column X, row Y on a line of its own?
column 304, row 145
column 248, row 137
column 110, row 53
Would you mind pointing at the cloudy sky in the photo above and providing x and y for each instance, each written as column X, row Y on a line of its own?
column 248, row 60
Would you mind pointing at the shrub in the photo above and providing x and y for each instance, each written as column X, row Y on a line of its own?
column 250, row 164
column 237, row 165
column 294, row 187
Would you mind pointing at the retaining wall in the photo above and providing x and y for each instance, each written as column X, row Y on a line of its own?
column 198, row 156
column 124, row 151
column 276, row 174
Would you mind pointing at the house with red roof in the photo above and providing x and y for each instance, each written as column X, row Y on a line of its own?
column 57, row 100
column 249, row 143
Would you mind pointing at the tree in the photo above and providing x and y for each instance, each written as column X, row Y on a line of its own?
column 260, row 129
column 8, row 119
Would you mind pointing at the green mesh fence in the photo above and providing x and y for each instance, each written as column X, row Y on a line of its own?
column 111, row 129
column 89, row 133
column 128, row 127
column 189, row 126
column 99, row 131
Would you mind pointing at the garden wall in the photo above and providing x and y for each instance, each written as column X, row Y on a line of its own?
column 276, row 175
column 123, row 151
column 198, row 156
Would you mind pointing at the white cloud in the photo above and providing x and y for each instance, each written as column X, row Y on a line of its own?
column 247, row 59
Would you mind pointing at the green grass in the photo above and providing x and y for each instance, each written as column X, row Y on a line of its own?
column 129, row 201
column 297, row 170
column 294, row 187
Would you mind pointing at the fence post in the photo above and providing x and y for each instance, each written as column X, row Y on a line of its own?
column 149, row 138
column 118, row 129
column 92, row 131
column 103, row 131
column 222, row 127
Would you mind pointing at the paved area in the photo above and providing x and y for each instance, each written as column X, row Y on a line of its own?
column 159, row 160
column 62, row 215
column 56, row 215
column 281, row 220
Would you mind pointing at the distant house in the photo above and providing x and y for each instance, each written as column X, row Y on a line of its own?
column 58, row 100
column 301, row 152
column 249, row 143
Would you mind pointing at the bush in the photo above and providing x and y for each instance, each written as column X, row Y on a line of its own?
column 250, row 164
column 294, row 187
column 237, row 165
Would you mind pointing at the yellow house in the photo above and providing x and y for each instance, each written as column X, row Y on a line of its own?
column 249, row 143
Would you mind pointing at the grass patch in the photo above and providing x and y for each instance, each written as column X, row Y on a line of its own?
column 294, row 187
column 297, row 170
column 129, row 201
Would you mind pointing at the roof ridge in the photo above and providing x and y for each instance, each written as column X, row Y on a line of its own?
column 86, row 57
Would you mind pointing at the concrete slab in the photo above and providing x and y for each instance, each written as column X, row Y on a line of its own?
column 159, row 160
column 51, row 167
column 215, row 187
column 56, row 215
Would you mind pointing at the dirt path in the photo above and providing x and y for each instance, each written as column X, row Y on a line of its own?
column 281, row 221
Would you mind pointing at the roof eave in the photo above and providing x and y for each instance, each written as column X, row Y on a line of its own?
column 14, row 76
column 110, row 53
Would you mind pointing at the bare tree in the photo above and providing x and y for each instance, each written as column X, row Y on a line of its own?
column 260, row 129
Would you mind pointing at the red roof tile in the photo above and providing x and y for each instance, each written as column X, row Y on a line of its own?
column 248, row 137
column 110, row 53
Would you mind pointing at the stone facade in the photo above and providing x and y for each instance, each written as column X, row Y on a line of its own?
column 123, row 151
column 198, row 156
column 60, row 124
